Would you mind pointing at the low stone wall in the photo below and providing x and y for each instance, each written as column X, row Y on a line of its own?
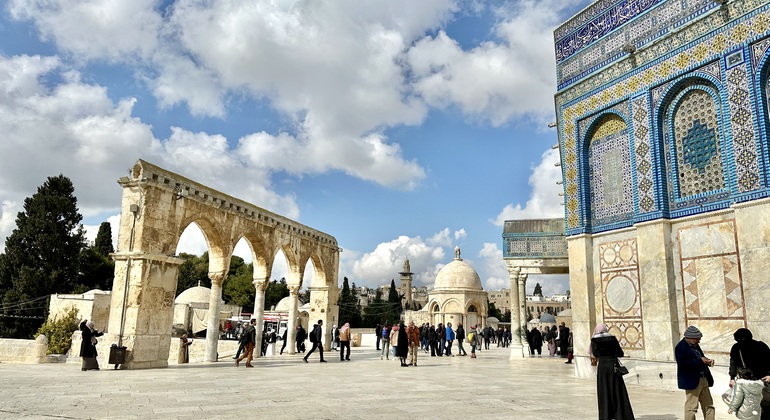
column 23, row 351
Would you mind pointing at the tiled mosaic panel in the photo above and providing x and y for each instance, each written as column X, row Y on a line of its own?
column 644, row 179
column 711, row 274
column 610, row 172
column 742, row 120
column 536, row 247
column 599, row 46
column 621, row 291
column 698, row 150
column 712, row 47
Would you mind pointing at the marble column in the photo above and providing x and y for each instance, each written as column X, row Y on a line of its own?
column 291, row 336
column 523, row 312
column 517, row 351
column 260, row 286
column 215, row 301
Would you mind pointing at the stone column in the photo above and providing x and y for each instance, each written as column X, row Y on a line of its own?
column 212, row 332
column 523, row 312
column 291, row 336
column 517, row 351
column 260, row 286
column 584, row 297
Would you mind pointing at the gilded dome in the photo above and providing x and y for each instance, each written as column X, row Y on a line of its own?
column 457, row 275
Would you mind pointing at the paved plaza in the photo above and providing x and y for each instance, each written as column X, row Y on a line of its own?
column 283, row 387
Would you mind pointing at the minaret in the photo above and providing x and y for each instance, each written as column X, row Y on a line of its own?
column 406, row 284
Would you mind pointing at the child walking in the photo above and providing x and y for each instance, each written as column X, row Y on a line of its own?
column 747, row 396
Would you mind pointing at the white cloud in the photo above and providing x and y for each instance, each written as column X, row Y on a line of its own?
column 544, row 202
column 493, row 266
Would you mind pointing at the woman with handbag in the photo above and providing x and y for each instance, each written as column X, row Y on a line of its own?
column 88, row 345
column 610, row 387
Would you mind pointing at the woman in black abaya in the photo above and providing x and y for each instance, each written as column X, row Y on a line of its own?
column 610, row 388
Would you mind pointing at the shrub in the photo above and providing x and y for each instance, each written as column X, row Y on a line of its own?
column 59, row 332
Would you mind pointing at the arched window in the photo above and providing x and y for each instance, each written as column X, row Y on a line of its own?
column 609, row 172
column 472, row 309
column 697, row 149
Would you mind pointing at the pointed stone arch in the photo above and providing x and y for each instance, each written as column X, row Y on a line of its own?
column 157, row 206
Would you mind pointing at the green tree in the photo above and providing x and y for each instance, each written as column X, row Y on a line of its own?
column 42, row 256
column 192, row 272
column 493, row 311
column 394, row 300
column 59, row 332
column 238, row 288
column 377, row 312
column 103, row 242
column 96, row 271
column 538, row 290
column 276, row 290
column 350, row 311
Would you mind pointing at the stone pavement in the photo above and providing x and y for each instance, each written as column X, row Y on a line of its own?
column 283, row 387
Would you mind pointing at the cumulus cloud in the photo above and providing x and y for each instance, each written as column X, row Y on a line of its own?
column 544, row 202
column 492, row 265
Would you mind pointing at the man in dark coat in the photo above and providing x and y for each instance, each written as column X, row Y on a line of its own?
column 751, row 354
column 378, row 335
column 693, row 375
column 487, row 335
column 301, row 337
column 249, row 340
column 433, row 340
column 535, row 341
column 315, row 338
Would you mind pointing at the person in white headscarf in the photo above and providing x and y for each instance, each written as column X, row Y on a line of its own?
column 88, row 345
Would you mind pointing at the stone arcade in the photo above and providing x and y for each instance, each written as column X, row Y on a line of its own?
column 157, row 206
column 662, row 111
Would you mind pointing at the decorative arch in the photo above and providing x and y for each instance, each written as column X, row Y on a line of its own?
column 452, row 305
column 762, row 94
column 607, row 176
column 694, row 148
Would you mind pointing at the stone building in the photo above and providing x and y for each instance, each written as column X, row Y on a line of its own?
column 662, row 110
column 191, row 310
column 457, row 297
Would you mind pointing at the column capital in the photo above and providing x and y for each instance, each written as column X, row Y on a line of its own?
column 218, row 277
column 513, row 270
column 294, row 290
column 261, row 283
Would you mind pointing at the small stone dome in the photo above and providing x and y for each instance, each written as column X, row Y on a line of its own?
column 197, row 294
column 458, row 275
column 283, row 305
column 547, row 318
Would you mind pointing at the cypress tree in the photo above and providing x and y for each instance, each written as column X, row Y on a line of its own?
column 42, row 257
column 103, row 242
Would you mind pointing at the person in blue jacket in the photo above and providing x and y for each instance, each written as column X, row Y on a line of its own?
column 450, row 338
column 693, row 375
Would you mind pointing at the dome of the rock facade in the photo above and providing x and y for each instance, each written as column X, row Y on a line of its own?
column 457, row 275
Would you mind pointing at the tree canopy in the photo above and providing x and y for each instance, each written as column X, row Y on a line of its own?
column 42, row 257
column 350, row 309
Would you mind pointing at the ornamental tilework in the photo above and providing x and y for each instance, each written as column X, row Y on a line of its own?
column 595, row 94
column 697, row 146
column 610, row 172
column 758, row 51
column 742, row 120
column 644, row 165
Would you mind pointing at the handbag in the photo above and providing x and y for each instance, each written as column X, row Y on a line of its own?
column 94, row 340
column 620, row 370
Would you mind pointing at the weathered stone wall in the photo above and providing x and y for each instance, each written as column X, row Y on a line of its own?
column 23, row 351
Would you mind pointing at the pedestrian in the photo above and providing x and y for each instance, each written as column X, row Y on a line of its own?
column 228, row 330
column 385, row 342
column 394, row 339
column 563, row 340
column 433, row 340
column 378, row 335
column 460, row 334
column 344, row 337
column 301, row 337
column 551, row 339
column 450, row 338
column 335, row 337
column 441, row 332
column 88, row 351
column 754, row 355
column 746, row 395
column 184, row 353
column 413, row 337
column 249, row 340
column 693, row 375
column 315, row 338
column 472, row 340
column 487, row 336
column 569, row 350
column 535, row 342
column 402, row 349
column 610, row 387
column 284, row 336
column 241, row 344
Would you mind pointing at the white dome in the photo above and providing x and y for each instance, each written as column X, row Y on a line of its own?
column 197, row 294
column 283, row 305
column 458, row 275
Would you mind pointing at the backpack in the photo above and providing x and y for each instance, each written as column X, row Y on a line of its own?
column 471, row 337
column 313, row 337
column 246, row 335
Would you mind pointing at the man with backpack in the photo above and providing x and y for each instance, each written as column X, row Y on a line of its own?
column 315, row 338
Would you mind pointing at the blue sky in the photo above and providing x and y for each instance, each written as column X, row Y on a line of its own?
column 401, row 128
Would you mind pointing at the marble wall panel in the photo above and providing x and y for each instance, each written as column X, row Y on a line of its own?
column 620, row 287
column 712, row 283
